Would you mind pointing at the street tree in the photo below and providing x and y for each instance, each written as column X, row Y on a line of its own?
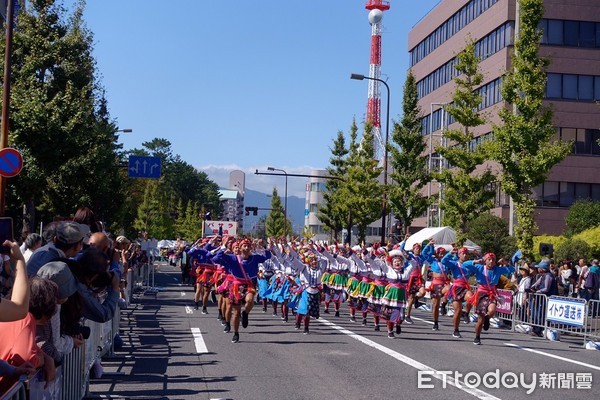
column 467, row 189
column 408, row 163
column 59, row 119
column 361, row 188
column 332, row 214
column 275, row 222
column 523, row 142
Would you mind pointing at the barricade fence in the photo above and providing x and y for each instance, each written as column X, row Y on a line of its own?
column 18, row 391
column 73, row 375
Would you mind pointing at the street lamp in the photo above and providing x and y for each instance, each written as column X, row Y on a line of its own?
column 285, row 201
column 126, row 130
column 360, row 77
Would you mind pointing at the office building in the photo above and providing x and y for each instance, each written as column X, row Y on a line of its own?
column 571, row 40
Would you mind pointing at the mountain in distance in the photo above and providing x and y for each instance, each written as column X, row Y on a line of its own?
column 295, row 212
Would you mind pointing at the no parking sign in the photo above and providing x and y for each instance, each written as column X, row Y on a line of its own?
column 11, row 162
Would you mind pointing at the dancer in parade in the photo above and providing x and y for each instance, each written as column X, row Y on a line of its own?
column 487, row 274
column 394, row 298
column 310, row 268
column 200, row 255
column 337, row 280
column 377, row 288
column 440, row 285
column 416, row 285
column 242, row 268
column 460, row 290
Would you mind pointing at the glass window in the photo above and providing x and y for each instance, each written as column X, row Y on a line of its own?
column 587, row 33
column 569, row 135
column 595, row 137
column 537, row 194
column 595, row 192
column 586, row 87
column 597, row 34
column 553, row 86
column 569, row 86
column 582, row 191
column 571, row 33
column 567, row 194
column 555, row 32
column 597, row 88
column 544, row 28
column 583, row 144
column 551, row 194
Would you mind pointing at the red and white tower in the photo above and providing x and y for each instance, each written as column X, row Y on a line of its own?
column 376, row 9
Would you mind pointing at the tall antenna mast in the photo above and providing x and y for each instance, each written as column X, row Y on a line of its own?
column 376, row 9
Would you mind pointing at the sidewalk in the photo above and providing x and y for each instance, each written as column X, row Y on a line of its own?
column 154, row 362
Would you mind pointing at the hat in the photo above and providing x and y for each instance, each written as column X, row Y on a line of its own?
column 396, row 253
column 69, row 232
column 543, row 265
column 59, row 273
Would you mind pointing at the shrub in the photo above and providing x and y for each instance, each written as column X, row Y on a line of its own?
column 572, row 249
column 592, row 238
column 488, row 231
column 582, row 215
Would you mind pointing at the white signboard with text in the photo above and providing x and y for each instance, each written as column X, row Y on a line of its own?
column 564, row 310
column 228, row 228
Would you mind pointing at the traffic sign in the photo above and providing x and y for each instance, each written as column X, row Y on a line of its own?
column 144, row 167
column 11, row 162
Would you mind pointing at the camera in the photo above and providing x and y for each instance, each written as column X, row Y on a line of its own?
column 103, row 280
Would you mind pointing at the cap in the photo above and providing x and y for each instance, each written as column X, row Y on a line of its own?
column 69, row 232
column 59, row 273
column 543, row 264
column 122, row 239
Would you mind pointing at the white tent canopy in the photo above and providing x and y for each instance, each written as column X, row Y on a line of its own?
column 444, row 236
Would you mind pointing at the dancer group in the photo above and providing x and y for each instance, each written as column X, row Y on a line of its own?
column 384, row 283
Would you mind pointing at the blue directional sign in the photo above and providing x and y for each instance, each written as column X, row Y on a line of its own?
column 144, row 167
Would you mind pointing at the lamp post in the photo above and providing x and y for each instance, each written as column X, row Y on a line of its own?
column 384, row 212
column 285, row 201
column 126, row 130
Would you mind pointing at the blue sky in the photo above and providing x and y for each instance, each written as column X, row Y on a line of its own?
column 245, row 84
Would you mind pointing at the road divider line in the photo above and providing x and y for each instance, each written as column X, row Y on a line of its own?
column 480, row 394
column 553, row 356
column 199, row 341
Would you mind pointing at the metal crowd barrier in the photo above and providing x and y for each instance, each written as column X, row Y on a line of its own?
column 530, row 311
column 592, row 326
column 17, row 391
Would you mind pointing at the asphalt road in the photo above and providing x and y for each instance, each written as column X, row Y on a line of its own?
column 175, row 352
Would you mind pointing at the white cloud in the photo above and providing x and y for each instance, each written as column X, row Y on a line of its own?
column 261, row 183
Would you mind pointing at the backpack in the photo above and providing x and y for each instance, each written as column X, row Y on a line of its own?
column 553, row 287
column 592, row 281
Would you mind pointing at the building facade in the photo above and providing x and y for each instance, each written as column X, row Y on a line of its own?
column 571, row 41
column 233, row 199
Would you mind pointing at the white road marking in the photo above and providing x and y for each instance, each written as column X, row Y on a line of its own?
column 188, row 310
column 480, row 394
column 553, row 356
column 199, row 341
column 182, row 294
column 421, row 319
